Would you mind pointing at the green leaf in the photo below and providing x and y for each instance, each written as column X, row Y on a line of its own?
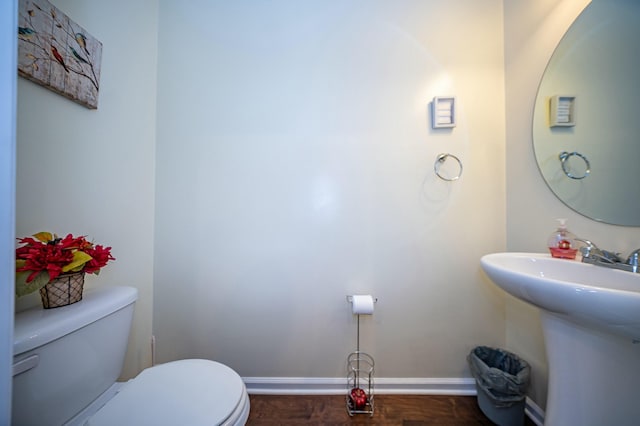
column 79, row 259
column 23, row 288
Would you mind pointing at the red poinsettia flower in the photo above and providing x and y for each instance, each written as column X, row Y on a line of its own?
column 39, row 257
column 99, row 257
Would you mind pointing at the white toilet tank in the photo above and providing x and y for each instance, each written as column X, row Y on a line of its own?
column 64, row 358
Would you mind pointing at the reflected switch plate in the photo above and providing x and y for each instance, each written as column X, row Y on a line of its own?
column 562, row 111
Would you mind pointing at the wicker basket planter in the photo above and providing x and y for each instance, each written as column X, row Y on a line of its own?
column 63, row 290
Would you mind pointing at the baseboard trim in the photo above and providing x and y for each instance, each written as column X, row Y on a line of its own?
column 337, row 386
column 383, row 385
column 534, row 412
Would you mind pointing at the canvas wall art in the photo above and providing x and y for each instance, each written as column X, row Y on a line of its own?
column 57, row 53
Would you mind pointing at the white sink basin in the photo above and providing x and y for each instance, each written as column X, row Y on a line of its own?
column 591, row 321
column 592, row 295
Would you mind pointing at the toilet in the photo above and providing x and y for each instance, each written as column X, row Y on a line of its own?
column 66, row 362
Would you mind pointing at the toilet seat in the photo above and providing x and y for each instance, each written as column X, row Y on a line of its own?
column 186, row 392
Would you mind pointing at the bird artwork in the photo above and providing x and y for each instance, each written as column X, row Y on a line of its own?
column 82, row 42
column 77, row 55
column 25, row 32
column 58, row 53
column 59, row 57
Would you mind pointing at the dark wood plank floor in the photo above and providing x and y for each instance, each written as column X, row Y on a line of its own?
column 390, row 410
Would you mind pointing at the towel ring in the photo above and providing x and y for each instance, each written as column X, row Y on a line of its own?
column 440, row 160
column 564, row 156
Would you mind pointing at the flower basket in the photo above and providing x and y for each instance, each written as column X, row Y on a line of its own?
column 56, row 266
column 63, row 290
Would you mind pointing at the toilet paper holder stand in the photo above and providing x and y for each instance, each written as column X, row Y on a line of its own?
column 360, row 374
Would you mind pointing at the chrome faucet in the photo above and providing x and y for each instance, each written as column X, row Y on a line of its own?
column 632, row 260
column 596, row 256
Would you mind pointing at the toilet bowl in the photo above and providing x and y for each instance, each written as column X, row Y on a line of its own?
column 67, row 360
column 187, row 392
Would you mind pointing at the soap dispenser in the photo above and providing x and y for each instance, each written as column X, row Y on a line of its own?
column 561, row 242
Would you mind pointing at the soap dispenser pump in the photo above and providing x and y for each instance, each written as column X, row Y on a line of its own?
column 561, row 242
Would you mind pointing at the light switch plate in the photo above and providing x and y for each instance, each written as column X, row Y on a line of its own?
column 443, row 112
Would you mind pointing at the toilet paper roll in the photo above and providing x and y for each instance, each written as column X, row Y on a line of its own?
column 362, row 304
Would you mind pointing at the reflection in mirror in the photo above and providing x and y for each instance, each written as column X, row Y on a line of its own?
column 596, row 65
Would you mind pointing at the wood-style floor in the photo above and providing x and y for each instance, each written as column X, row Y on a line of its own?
column 389, row 410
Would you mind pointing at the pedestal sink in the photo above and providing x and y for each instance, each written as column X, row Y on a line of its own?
column 591, row 322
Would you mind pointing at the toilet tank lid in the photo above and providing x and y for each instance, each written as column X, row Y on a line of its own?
column 37, row 326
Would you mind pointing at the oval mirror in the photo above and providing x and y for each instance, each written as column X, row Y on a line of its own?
column 586, row 121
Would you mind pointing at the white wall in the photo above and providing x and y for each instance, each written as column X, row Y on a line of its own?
column 8, row 66
column 295, row 167
column 532, row 30
column 91, row 172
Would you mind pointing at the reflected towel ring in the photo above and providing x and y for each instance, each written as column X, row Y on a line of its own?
column 441, row 159
column 564, row 156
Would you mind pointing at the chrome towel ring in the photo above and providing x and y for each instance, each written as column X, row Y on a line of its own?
column 564, row 156
column 440, row 160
